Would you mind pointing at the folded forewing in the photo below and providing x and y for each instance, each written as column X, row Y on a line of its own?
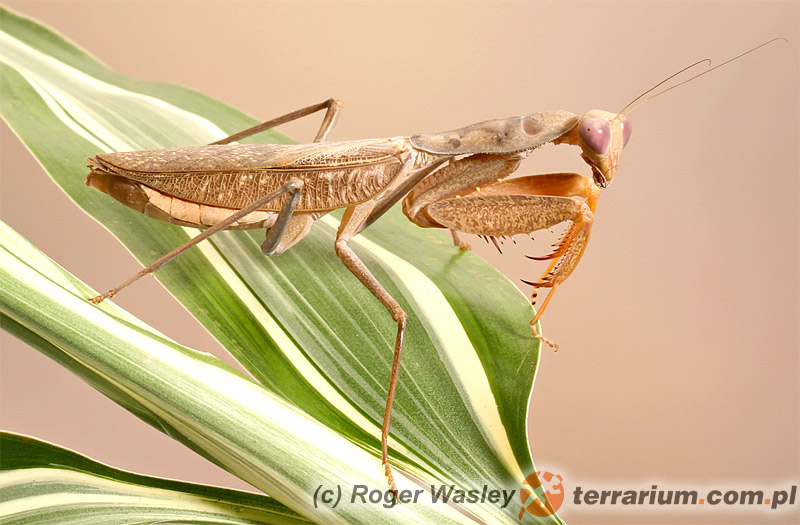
column 335, row 174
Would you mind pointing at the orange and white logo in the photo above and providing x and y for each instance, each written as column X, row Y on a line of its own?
column 553, row 491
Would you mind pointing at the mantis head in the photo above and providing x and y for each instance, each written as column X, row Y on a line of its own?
column 601, row 136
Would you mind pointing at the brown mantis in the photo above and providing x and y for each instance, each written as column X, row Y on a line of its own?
column 455, row 180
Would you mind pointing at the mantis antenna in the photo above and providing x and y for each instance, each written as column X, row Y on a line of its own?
column 624, row 111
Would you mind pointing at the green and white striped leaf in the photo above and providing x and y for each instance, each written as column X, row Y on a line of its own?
column 300, row 322
column 44, row 484
column 192, row 396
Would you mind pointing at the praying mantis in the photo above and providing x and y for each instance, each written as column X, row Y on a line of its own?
column 458, row 180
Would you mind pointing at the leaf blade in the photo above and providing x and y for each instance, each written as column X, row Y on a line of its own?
column 43, row 483
column 333, row 359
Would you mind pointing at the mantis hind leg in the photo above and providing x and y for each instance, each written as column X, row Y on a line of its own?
column 293, row 187
column 331, row 106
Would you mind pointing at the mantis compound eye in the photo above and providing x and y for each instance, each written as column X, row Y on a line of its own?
column 595, row 133
column 626, row 131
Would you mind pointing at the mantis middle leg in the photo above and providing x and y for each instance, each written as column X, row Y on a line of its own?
column 354, row 217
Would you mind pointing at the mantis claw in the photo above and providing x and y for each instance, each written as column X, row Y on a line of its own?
column 543, row 339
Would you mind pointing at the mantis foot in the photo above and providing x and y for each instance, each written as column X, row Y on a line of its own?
column 540, row 337
column 100, row 298
column 392, row 486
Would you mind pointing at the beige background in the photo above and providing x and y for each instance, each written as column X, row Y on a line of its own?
column 679, row 331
